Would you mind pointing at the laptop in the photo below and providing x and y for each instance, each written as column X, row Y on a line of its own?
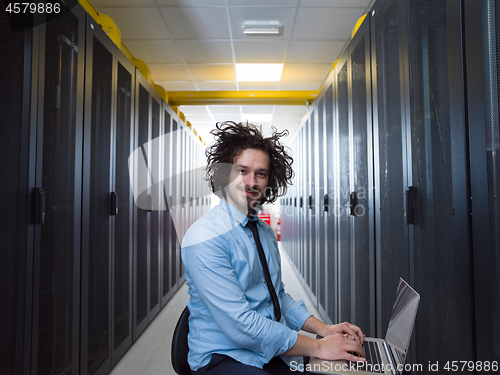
column 382, row 356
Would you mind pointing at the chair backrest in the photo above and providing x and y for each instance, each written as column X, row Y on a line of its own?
column 180, row 347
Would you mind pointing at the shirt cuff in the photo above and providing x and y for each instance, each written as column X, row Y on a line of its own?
column 296, row 317
column 278, row 340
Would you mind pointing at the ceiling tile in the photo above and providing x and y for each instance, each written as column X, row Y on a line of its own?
column 218, row 72
column 163, row 72
column 335, row 3
column 138, row 23
column 222, row 118
column 325, row 23
column 197, row 23
column 122, row 3
column 314, row 51
column 290, row 110
column 216, row 86
column 305, row 72
column 225, row 109
column 257, row 109
column 193, row 119
column 257, row 86
column 265, row 51
column 300, row 85
column 199, row 110
column 239, row 15
column 154, row 51
column 177, row 86
column 287, row 122
column 286, row 3
column 188, row 3
column 206, row 51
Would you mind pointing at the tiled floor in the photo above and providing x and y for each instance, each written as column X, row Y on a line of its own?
column 150, row 354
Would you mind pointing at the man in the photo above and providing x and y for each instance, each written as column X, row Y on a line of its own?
column 234, row 325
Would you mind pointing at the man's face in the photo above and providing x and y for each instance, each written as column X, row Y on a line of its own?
column 248, row 178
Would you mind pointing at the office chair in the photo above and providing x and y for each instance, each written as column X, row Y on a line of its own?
column 180, row 347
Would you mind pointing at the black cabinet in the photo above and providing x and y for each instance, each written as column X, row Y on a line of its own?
column 86, row 263
column 58, row 182
column 411, row 112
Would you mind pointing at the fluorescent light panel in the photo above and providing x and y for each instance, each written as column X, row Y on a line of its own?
column 261, row 27
column 258, row 72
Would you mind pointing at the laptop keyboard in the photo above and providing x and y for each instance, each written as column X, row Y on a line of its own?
column 373, row 359
column 400, row 355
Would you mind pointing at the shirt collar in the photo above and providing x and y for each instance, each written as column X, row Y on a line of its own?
column 238, row 216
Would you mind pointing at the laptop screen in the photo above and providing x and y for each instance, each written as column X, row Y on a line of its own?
column 403, row 317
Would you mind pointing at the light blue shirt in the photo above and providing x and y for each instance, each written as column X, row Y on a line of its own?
column 231, row 310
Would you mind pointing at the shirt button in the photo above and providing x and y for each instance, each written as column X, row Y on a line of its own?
column 267, row 304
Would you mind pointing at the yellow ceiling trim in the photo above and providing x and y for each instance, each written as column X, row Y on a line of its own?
column 358, row 25
column 288, row 97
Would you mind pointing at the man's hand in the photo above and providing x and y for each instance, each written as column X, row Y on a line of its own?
column 339, row 341
column 313, row 325
column 340, row 346
column 346, row 329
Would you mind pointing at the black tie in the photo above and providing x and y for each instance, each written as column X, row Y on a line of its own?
column 252, row 225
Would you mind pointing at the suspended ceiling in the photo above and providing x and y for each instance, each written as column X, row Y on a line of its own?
column 193, row 46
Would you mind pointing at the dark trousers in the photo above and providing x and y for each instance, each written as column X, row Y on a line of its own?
column 224, row 365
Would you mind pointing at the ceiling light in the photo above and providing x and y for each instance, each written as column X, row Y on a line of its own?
column 258, row 72
column 261, row 27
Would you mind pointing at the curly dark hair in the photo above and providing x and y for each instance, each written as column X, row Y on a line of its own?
column 231, row 139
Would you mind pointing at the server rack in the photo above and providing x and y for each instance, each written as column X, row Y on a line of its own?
column 57, row 194
column 331, row 223
column 439, row 236
column 18, row 94
column 416, row 92
column 98, row 183
column 389, row 140
column 481, row 53
column 123, row 200
column 85, row 267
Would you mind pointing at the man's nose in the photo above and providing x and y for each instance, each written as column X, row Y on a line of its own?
column 249, row 179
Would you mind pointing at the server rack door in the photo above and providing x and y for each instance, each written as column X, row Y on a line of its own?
column 157, row 209
column 176, row 206
column 142, row 183
column 440, row 241
column 342, row 193
column 167, row 231
column 124, row 84
column 18, row 132
column 312, row 205
column 320, row 210
column 189, row 180
column 481, row 24
column 361, row 204
column 57, row 257
column 331, row 217
column 392, row 253
column 296, row 201
column 184, row 193
column 308, row 149
column 304, row 238
column 97, row 223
